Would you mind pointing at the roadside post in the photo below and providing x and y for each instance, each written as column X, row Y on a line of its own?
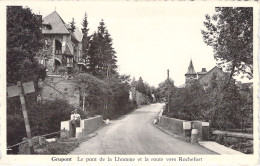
column 20, row 90
column 194, row 136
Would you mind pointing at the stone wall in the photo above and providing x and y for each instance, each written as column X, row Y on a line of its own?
column 183, row 127
column 89, row 125
column 57, row 87
column 86, row 126
column 175, row 126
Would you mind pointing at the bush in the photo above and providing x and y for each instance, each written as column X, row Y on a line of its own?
column 240, row 144
column 61, row 147
column 44, row 118
column 57, row 147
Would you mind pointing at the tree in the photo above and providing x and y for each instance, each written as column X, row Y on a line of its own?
column 86, row 38
column 101, row 53
column 24, row 41
column 140, row 85
column 225, row 106
column 72, row 25
column 230, row 32
column 163, row 88
column 94, row 89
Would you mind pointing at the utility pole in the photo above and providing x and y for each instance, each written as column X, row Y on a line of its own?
column 107, row 83
column 168, row 93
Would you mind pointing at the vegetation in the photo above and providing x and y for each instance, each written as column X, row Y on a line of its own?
column 72, row 25
column 44, row 118
column 230, row 33
column 223, row 109
column 24, row 40
column 143, row 87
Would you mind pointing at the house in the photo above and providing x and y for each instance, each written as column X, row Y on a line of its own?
column 61, row 55
column 62, row 46
column 203, row 76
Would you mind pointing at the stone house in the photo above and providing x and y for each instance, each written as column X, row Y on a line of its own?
column 203, row 76
column 61, row 55
column 62, row 46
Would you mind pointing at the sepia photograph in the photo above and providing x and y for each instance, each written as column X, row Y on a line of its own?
column 130, row 78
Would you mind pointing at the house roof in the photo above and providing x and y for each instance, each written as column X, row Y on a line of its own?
column 214, row 68
column 201, row 73
column 191, row 69
column 77, row 35
column 57, row 24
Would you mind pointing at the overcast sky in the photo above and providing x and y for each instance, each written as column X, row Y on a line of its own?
column 149, row 37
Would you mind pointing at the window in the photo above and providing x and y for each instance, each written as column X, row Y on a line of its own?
column 58, row 47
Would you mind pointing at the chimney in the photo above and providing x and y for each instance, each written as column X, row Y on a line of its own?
column 203, row 70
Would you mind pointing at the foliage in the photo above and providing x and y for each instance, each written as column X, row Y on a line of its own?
column 94, row 89
column 72, row 25
column 240, row 144
column 110, row 98
column 187, row 103
column 230, row 32
column 102, row 58
column 162, row 90
column 61, row 148
column 118, row 99
column 226, row 109
column 86, row 38
column 44, row 118
column 140, row 86
column 24, row 40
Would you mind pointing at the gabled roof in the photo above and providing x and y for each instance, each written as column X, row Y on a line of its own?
column 57, row 24
column 191, row 69
column 214, row 68
column 77, row 35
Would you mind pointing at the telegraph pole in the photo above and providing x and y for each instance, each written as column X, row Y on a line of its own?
column 168, row 93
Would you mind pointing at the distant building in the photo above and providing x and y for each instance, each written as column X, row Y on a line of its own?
column 62, row 45
column 191, row 75
column 203, row 76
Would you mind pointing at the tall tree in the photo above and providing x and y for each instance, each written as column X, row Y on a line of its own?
column 72, row 25
column 230, row 32
column 85, row 39
column 140, row 86
column 24, row 41
column 102, row 58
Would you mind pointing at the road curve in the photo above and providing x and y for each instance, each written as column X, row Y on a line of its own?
column 135, row 133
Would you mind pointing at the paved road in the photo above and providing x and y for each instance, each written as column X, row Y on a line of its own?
column 135, row 133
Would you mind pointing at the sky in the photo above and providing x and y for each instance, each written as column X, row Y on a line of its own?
column 149, row 37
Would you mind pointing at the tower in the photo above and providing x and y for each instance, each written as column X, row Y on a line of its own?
column 191, row 75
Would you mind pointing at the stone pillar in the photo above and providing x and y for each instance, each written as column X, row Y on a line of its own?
column 194, row 136
column 186, row 129
column 205, row 131
column 66, row 126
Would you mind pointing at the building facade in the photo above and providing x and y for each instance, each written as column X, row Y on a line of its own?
column 203, row 76
column 62, row 50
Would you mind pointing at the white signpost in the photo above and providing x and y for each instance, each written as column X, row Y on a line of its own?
column 21, row 90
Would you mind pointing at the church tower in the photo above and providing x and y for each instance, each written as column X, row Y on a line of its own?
column 191, row 75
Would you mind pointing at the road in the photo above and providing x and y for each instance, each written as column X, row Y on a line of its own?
column 135, row 133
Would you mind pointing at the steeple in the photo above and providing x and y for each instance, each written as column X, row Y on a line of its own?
column 191, row 68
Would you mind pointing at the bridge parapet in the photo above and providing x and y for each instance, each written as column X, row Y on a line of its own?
column 183, row 127
column 86, row 126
